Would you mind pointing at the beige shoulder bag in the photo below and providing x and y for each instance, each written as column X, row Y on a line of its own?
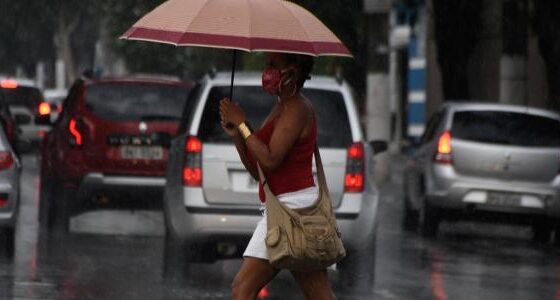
column 303, row 239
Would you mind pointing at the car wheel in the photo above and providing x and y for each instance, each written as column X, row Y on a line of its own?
column 178, row 256
column 429, row 221
column 8, row 240
column 542, row 231
column 59, row 197
column 410, row 217
column 46, row 187
column 357, row 271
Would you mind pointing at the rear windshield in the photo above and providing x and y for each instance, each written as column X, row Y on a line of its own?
column 334, row 127
column 506, row 128
column 24, row 96
column 133, row 102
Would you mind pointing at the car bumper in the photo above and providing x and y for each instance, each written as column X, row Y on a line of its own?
column 199, row 222
column 33, row 133
column 100, row 191
column 449, row 191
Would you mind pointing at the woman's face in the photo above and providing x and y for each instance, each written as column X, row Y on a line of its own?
column 274, row 75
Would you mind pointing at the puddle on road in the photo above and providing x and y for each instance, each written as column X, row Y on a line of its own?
column 139, row 222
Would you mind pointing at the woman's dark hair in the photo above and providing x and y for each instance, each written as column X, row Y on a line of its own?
column 304, row 64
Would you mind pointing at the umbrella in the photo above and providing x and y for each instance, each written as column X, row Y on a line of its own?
column 246, row 25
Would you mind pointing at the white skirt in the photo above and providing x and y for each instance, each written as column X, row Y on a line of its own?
column 298, row 199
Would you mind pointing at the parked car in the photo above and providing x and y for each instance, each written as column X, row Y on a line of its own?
column 7, row 121
column 27, row 104
column 109, row 147
column 211, row 204
column 485, row 161
column 10, row 170
column 55, row 98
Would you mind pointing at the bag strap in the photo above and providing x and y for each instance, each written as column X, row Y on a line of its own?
column 323, row 188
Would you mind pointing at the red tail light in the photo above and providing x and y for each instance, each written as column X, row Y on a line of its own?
column 3, row 202
column 192, row 168
column 44, row 109
column 75, row 134
column 6, row 160
column 354, row 178
column 9, row 84
column 443, row 154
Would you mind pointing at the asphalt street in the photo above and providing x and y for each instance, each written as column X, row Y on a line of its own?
column 119, row 255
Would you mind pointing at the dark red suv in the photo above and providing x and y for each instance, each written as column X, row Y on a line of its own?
column 109, row 146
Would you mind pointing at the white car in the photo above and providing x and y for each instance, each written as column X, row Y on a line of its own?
column 55, row 97
column 28, row 106
column 212, row 214
column 10, row 170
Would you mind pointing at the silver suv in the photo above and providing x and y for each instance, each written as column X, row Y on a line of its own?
column 486, row 161
column 210, row 201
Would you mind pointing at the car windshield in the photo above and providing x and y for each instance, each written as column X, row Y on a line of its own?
column 23, row 96
column 506, row 128
column 132, row 102
column 334, row 127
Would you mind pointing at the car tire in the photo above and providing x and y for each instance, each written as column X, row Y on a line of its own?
column 8, row 240
column 410, row 217
column 55, row 208
column 44, row 201
column 178, row 255
column 430, row 218
column 542, row 230
column 356, row 272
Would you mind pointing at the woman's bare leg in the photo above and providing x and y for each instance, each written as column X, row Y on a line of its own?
column 254, row 274
column 315, row 285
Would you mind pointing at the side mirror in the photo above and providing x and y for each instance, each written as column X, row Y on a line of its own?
column 43, row 120
column 23, row 146
column 378, row 146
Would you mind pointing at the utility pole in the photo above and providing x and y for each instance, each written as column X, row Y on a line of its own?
column 378, row 122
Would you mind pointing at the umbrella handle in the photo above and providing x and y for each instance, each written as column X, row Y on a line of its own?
column 229, row 125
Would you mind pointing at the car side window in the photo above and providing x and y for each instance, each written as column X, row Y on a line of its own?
column 431, row 127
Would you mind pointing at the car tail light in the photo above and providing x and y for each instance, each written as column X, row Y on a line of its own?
column 192, row 168
column 75, row 133
column 44, row 109
column 443, row 153
column 354, row 178
column 6, row 160
column 9, row 84
column 3, row 202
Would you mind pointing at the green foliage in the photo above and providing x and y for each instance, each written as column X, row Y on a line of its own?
column 23, row 39
column 546, row 23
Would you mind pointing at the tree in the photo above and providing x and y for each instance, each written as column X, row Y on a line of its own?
column 457, row 24
column 25, row 40
column 546, row 23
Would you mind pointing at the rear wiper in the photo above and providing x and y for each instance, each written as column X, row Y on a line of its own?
column 159, row 117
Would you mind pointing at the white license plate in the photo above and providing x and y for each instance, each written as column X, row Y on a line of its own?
column 138, row 152
column 504, row 199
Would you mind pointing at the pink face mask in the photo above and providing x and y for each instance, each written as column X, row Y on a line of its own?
column 271, row 79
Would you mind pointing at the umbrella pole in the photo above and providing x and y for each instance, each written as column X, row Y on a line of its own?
column 232, row 74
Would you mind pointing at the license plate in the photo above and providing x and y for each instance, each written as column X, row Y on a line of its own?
column 136, row 152
column 504, row 199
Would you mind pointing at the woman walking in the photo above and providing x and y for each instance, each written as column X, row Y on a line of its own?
column 283, row 147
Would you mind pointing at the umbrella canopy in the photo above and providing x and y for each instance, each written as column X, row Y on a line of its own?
column 248, row 25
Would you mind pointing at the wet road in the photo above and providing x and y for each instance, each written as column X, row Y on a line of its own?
column 466, row 261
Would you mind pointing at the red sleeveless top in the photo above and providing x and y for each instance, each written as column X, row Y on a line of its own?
column 295, row 171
